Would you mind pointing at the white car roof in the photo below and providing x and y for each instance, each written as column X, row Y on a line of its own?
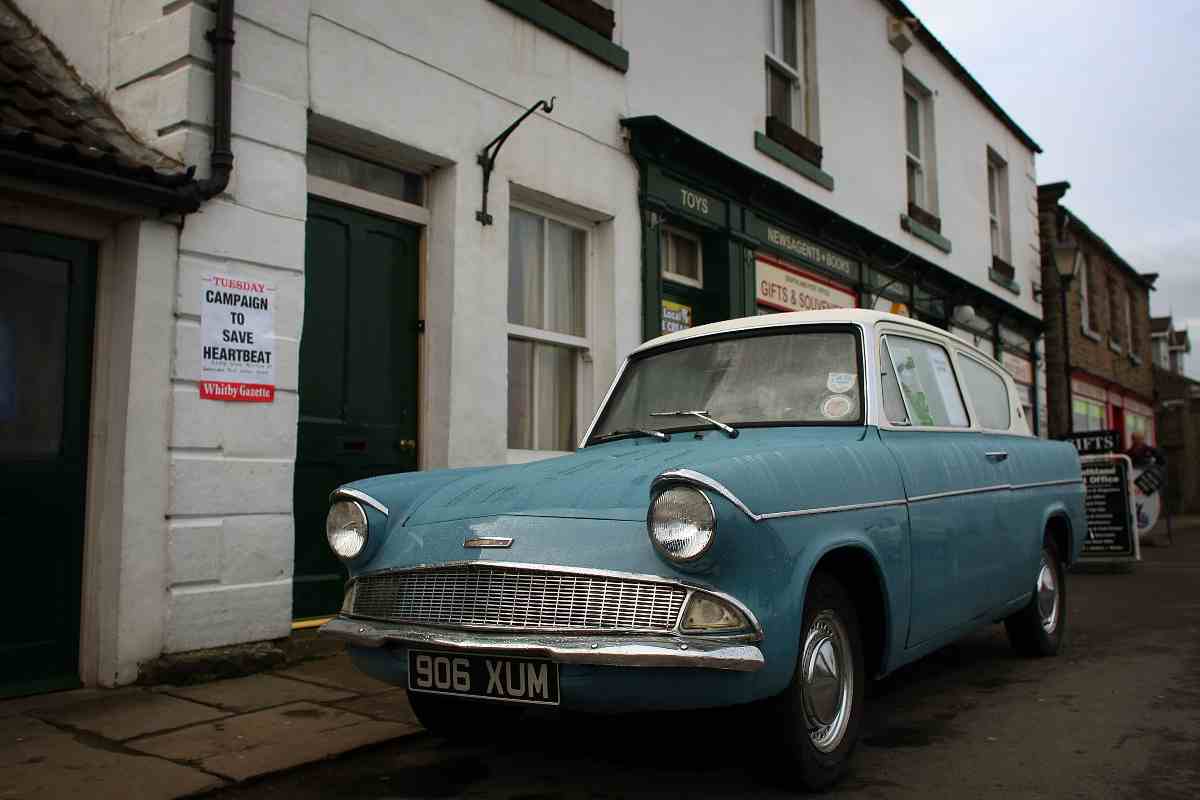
column 853, row 315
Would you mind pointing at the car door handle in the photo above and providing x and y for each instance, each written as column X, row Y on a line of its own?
column 996, row 455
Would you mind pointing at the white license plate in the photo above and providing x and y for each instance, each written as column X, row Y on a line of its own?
column 515, row 680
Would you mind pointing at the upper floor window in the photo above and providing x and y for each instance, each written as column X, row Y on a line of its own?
column 1087, row 280
column 547, row 331
column 919, row 146
column 997, row 186
column 791, row 67
column 1131, row 325
column 1116, row 316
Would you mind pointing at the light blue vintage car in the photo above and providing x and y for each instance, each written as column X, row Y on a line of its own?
column 773, row 509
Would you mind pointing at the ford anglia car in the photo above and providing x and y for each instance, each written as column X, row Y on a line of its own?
column 770, row 510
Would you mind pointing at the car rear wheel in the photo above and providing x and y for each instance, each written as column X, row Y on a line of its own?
column 1040, row 627
column 463, row 720
column 817, row 718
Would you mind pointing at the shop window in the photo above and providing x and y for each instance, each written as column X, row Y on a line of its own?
column 927, row 383
column 1087, row 415
column 791, row 78
column 346, row 169
column 919, row 153
column 1137, row 423
column 682, row 258
column 547, row 331
column 997, row 185
column 988, row 393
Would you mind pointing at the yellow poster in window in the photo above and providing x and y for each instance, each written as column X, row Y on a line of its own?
column 675, row 316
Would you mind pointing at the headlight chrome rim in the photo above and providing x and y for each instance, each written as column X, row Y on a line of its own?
column 339, row 530
column 712, row 524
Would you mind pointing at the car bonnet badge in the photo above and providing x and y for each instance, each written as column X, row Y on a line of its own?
column 488, row 541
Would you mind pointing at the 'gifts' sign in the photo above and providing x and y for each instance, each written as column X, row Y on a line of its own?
column 237, row 337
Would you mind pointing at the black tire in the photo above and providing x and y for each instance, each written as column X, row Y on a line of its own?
column 1034, row 631
column 463, row 720
column 809, row 759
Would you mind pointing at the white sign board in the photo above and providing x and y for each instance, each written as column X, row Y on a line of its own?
column 785, row 289
column 237, row 340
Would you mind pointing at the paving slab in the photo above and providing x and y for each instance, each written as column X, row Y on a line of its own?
column 54, row 700
column 392, row 706
column 256, row 692
column 261, row 742
column 39, row 761
column 336, row 672
column 123, row 715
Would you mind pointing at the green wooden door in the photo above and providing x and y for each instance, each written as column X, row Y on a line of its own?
column 47, row 302
column 358, row 377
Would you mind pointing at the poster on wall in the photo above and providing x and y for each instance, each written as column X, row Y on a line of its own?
column 237, row 340
column 785, row 289
column 675, row 316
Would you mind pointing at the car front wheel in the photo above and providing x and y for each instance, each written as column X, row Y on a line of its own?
column 1040, row 627
column 817, row 717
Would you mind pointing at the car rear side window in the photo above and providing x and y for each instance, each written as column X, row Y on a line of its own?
column 927, row 383
column 988, row 393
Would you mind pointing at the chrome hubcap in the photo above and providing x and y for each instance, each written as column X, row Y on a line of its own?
column 1047, row 595
column 827, row 676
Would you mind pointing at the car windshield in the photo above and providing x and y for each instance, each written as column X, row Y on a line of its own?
column 796, row 377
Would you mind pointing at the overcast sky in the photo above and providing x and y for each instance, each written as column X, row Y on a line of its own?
column 1110, row 91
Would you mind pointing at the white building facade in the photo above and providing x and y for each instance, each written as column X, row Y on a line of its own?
column 409, row 335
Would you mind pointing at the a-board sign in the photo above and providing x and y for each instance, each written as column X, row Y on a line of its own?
column 1150, row 479
column 1090, row 442
column 237, row 340
column 1112, row 532
column 1147, row 499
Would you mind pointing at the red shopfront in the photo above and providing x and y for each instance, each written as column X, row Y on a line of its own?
column 1099, row 406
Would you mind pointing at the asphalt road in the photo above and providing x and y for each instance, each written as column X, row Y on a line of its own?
column 1116, row 715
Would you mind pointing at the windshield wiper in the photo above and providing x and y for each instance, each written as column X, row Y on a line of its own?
column 662, row 437
column 729, row 430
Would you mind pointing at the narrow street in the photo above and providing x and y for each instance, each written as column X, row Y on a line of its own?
column 1118, row 715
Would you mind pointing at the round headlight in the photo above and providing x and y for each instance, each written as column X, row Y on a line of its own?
column 346, row 528
column 681, row 523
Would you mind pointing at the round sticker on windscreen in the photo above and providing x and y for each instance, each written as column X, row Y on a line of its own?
column 836, row 406
column 840, row 381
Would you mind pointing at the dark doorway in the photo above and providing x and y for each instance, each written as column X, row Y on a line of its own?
column 47, row 305
column 358, row 377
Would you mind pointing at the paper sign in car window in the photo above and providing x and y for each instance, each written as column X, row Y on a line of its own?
column 910, row 383
column 949, row 387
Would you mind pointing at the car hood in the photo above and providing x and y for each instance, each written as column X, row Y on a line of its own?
column 606, row 481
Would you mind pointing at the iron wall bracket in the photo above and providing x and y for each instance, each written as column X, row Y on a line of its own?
column 487, row 156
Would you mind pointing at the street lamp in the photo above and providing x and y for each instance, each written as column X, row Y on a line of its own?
column 1066, row 261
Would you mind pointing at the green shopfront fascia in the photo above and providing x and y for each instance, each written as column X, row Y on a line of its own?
column 721, row 240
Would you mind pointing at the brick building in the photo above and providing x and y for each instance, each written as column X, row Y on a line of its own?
column 1177, row 415
column 1108, row 347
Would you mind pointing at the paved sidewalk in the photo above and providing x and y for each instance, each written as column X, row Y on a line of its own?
column 166, row 742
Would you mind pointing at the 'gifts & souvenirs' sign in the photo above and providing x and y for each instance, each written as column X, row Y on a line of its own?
column 237, row 337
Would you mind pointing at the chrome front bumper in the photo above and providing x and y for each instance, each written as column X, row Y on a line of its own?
column 697, row 652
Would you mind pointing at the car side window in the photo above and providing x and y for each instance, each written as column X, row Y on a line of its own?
column 927, row 383
column 988, row 393
column 893, row 403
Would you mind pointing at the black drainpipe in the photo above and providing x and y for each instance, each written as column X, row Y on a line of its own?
column 221, row 160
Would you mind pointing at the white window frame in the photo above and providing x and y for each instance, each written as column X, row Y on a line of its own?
column 925, row 161
column 803, row 116
column 1085, row 302
column 998, row 210
column 668, row 271
column 1129, row 322
column 581, row 345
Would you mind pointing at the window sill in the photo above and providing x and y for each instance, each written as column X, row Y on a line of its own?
column 783, row 134
column 775, row 150
column 1135, row 360
column 1089, row 333
column 1115, row 347
column 569, row 30
column 926, row 234
column 1000, row 279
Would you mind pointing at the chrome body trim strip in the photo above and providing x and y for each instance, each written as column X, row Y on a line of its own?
column 755, row 634
column 362, row 497
column 999, row 487
column 1037, row 484
column 700, row 479
column 696, row 652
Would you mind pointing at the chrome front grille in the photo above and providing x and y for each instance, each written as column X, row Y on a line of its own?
column 516, row 598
